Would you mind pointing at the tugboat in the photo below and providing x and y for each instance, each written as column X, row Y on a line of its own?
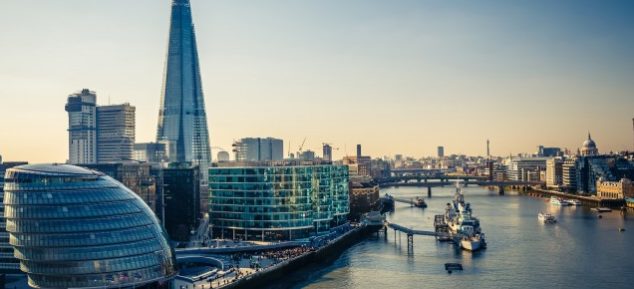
column 546, row 218
column 420, row 203
column 463, row 226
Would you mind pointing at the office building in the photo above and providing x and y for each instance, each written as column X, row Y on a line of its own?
column 182, row 200
column 182, row 123
column 543, row 151
column 115, row 133
column 554, row 172
column 284, row 200
column 524, row 168
column 327, row 152
column 135, row 176
column 8, row 263
column 359, row 151
column 307, row 155
column 82, row 229
column 569, row 175
column 82, row 127
column 253, row 149
column 150, row 152
column 441, row 151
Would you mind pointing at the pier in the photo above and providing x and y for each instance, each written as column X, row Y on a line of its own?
column 441, row 231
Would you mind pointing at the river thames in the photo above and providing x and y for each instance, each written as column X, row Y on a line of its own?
column 580, row 251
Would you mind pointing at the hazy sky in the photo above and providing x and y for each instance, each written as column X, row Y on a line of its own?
column 395, row 76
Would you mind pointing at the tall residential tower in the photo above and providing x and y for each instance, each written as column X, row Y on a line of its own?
column 182, row 124
column 82, row 127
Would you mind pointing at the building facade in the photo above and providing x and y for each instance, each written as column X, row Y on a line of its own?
column 615, row 190
column 8, row 263
column 149, row 152
column 182, row 199
column 277, row 200
column 554, row 172
column 441, row 151
column 79, row 228
column 253, row 149
column 363, row 197
column 115, row 133
column 82, row 127
column 327, row 152
column 135, row 176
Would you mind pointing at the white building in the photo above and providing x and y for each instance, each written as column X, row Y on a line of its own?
column 82, row 127
column 258, row 149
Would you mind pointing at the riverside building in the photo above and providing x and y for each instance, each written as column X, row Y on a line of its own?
column 72, row 227
column 283, row 200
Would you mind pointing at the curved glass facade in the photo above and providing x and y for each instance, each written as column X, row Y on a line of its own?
column 277, row 202
column 73, row 227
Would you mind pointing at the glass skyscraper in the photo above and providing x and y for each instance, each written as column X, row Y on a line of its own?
column 182, row 124
column 277, row 200
column 72, row 227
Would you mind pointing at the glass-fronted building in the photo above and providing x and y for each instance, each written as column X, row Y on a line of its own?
column 277, row 200
column 72, row 227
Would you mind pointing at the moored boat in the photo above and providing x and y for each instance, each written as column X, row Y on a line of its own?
column 420, row 203
column 559, row 201
column 574, row 202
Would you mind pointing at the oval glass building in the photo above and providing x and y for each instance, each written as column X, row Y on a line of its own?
column 74, row 227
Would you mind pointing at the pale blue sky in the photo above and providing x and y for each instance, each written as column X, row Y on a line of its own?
column 396, row 76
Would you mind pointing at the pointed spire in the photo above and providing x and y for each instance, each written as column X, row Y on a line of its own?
column 589, row 138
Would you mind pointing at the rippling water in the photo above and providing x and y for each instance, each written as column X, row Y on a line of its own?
column 581, row 251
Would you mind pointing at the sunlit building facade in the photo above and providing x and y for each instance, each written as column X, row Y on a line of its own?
column 277, row 200
column 72, row 227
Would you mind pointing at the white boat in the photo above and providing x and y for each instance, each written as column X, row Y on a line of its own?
column 473, row 243
column 558, row 201
column 574, row 202
column 546, row 218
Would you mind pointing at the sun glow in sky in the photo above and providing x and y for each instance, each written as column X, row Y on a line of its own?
column 395, row 76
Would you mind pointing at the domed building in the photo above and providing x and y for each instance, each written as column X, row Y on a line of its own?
column 589, row 147
column 72, row 227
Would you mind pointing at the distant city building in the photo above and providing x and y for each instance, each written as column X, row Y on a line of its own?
column 523, row 169
column 223, row 156
column 307, row 155
column 82, row 127
column 441, row 151
column 183, row 200
column 271, row 201
column 258, row 149
column 589, row 147
column 327, row 152
column 8, row 263
column 150, row 152
column 82, row 229
column 569, row 174
column 361, row 166
column 615, row 190
column 363, row 196
column 548, row 151
column 115, row 133
column 554, row 172
column 359, row 151
column 135, row 176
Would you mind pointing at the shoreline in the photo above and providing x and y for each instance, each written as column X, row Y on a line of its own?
column 333, row 249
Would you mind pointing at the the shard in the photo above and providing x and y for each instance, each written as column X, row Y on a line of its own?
column 182, row 122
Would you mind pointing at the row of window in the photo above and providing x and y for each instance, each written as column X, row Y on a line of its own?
column 99, row 195
column 83, row 239
column 93, row 266
column 71, row 211
column 70, row 225
column 99, row 280
column 88, row 253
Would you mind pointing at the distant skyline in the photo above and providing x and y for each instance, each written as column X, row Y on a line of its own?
column 397, row 77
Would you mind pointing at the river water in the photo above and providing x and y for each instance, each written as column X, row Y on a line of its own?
column 580, row 251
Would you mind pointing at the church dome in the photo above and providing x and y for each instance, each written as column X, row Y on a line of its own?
column 589, row 147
